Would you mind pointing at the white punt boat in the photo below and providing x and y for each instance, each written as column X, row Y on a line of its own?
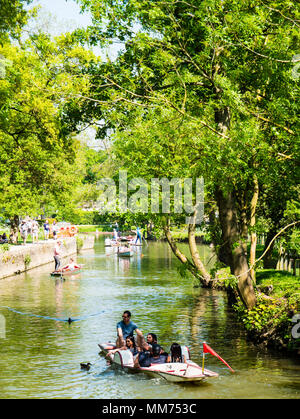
column 133, row 243
column 125, row 253
column 110, row 242
column 175, row 372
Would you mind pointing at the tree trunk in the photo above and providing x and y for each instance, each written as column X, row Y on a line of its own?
column 252, row 225
column 205, row 276
column 14, row 229
column 268, row 260
column 173, row 245
column 233, row 250
column 177, row 252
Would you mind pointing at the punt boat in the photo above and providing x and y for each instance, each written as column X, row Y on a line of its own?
column 110, row 242
column 175, row 372
column 66, row 272
column 123, row 252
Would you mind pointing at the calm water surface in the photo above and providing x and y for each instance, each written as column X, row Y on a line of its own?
column 41, row 358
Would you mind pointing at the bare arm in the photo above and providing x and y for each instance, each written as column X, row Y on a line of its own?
column 138, row 332
column 120, row 333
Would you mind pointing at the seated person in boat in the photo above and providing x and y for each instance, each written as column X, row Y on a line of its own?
column 71, row 266
column 125, row 328
column 150, row 340
column 129, row 344
column 157, row 356
column 176, row 354
column 124, row 249
column 143, row 359
column 153, row 356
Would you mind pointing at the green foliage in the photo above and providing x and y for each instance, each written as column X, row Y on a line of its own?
column 202, row 89
column 4, row 247
column 42, row 163
column 79, row 242
column 265, row 315
column 27, row 261
column 13, row 17
column 270, row 319
column 284, row 284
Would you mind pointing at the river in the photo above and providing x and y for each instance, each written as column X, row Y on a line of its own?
column 40, row 358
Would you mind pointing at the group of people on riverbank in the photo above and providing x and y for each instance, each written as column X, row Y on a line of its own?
column 145, row 351
column 29, row 226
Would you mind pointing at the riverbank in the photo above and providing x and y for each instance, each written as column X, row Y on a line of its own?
column 21, row 258
column 273, row 321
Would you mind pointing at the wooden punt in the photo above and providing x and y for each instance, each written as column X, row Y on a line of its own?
column 66, row 272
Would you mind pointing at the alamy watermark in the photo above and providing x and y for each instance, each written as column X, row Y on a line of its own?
column 296, row 68
column 157, row 196
column 4, row 63
column 296, row 328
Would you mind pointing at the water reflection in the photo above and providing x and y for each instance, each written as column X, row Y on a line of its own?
column 41, row 358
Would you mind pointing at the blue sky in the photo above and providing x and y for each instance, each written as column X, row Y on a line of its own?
column 65, row 10
column 66, row 17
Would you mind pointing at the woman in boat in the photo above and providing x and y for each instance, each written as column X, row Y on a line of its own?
column 131, row 345
column 176, row 354
column 146, row 345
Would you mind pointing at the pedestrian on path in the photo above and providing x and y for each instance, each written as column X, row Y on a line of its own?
column 46, row 230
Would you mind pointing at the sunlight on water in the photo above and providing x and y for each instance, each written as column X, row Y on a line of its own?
column 41, row 358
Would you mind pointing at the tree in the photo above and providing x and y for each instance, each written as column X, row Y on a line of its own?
column 39, row 160
column 224, row 66
column 13, row 16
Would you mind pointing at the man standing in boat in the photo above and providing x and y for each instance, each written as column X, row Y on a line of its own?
column 125, row 328
column 138, row 235
column 57, row 254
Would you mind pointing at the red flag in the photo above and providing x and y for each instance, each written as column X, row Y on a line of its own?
column 208, row 350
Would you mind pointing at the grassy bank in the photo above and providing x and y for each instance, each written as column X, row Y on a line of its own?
column 181, row 235
column 270, row 322
column 94, row 228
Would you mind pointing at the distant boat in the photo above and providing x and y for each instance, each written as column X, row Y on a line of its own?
column 110, row 242
column 125, row 253
column 66, row 272
column 132, row 243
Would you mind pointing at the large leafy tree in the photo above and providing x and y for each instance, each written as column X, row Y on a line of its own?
column 40, row 162
column 227, row 68
column 13, row 16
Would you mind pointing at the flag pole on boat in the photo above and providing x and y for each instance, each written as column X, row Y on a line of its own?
column 203, row 358
column 208, row 350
